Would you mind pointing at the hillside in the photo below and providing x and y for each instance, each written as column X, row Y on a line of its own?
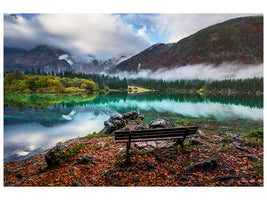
column 239, row 40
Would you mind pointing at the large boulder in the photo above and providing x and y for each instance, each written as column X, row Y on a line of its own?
column 54, row 156
column 114, row 123
column 131, row 120
column 161, row 123
column 58, row 154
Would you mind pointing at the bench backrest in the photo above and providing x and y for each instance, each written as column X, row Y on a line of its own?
column 154, row 134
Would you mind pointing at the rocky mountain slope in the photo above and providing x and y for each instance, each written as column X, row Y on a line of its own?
column 50, row 59
column 237, row 40
column 42, row 57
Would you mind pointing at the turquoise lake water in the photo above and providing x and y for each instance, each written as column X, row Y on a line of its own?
column 34, row 123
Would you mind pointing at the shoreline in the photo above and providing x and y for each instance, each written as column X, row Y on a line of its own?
column 104, row 161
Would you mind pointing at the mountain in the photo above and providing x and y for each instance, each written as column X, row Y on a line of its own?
column 111, row 63
column 237, row 40
column 41, row 57
column 50, row 59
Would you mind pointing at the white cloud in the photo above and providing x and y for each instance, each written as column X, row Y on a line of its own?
column 102, row 35
column 143, row 32
column 105, row 35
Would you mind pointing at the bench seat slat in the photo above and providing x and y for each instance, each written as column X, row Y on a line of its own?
column 159, row 130
column 155, row 131
column 149, row 139
column 150, row 135
column 150, row 132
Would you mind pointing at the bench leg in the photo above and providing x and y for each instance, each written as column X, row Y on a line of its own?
column 181, row 141
column 128, row 160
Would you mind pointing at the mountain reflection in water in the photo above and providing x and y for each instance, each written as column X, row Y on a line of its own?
column 33, row 123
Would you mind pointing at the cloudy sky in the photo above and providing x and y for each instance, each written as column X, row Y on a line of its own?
column 103, row 35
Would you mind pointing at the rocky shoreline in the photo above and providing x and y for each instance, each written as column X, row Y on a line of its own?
column 209, row 158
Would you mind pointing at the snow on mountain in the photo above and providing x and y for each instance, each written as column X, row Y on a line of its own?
column 67, row 58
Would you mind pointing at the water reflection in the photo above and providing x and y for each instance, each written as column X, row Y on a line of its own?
column 33, row 123
column 24, row 139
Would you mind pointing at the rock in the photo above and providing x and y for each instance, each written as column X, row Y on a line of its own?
column 94, row 179
column 19, row 175
column 221, row 133
column 130, row 120
column 253, row 157
column 74, row 168
column 193, row 141
column 95, row 157
column 84, row 159
column 152, row 144
column 205, row 125
column 77, row 183
column 94, row 161
column 54, row 156
column 238, row 139
column 123, row 149
column 206, row 147
column 146, row 145
column 164, row 144
column 237, row 146
column 133, row 115
column 101, row 144
column 109, row 172
column 114, row 123
column 234, row 144
column 201, row 134
column 139, row 127
column 204, row 165
column 171, row 144
column 142, row 117
column 223, row 139
column 161, row 123
column 223, row 128
column 140, row 145
column 126, row 128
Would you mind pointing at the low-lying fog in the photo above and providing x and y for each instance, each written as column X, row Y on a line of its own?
column 200, row 71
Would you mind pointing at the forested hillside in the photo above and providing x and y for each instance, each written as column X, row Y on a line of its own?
column 239, row 40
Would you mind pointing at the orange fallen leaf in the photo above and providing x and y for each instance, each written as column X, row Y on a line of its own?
column 243, row 180
column 252, row 181
column 260, row 180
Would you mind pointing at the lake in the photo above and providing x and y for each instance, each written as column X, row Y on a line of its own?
column 36, row 122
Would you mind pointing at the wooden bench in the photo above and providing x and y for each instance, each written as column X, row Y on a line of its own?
column 129, row 136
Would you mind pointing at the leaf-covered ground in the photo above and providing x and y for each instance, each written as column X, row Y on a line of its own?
column 149, row 167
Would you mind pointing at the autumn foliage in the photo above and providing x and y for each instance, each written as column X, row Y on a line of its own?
column 149, row 167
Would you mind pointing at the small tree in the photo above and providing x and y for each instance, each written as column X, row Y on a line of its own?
column 88, row 85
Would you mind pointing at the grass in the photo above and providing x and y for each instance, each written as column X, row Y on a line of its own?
column 136, row 89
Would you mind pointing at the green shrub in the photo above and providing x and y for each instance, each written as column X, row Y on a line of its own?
column 28, row 91
column 184, row 122
column 256, row 133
